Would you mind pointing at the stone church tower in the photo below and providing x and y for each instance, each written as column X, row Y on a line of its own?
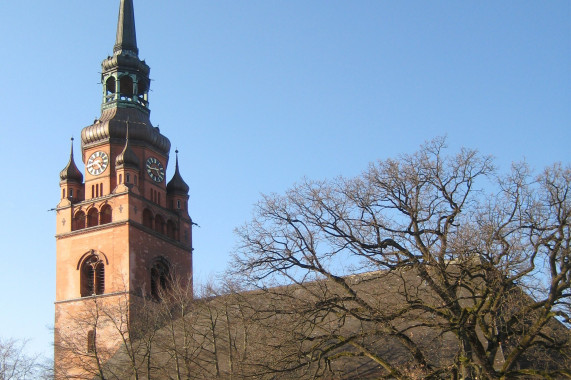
column 122, row 232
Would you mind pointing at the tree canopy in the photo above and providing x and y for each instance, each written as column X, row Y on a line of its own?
column 475, row 258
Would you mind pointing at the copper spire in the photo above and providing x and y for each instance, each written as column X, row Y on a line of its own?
column 71, row 172
column 126, row 36
column 177, row 184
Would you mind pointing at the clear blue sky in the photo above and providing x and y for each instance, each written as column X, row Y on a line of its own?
column 258, row 94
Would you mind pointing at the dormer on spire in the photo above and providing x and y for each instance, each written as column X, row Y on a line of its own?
column 127, row 158
column 126, row 34
column 127, row 165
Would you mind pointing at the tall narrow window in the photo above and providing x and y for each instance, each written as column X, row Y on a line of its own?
column 101, row 189
column 178, row 204
column 171, row 228
column 120, row 179
column 91, row 341
column 159, row 224
column 92, row 276
column 105, row 216
column 92, row 217
column 160, row 278
column 127, row 178
column 148, row 219
column 78, row 221
column 63, row 193
column 71, row 193
column 92, row 191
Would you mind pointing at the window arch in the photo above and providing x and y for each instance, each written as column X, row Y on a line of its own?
column 171, row 229
column 126, row 86
column 148, row 220
column 160, row 277
column 78, row 221
column 92, row 274
column 105, row 215
column 159, row 224
column 92, row 217
column 110, row 86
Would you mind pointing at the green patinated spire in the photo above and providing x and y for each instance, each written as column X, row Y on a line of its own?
column 126, row 34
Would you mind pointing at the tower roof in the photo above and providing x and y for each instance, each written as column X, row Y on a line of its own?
column 177, row 185
column 126, row 35
column 71, row 172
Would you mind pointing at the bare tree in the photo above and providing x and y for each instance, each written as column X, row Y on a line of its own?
column 16, row 364
column 412, row 271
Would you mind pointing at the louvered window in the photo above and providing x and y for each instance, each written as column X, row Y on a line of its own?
column 160, row 279
column 92, row 277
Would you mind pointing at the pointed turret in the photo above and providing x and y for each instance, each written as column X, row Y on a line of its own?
column 177, row 185
column 126, row 35
column 177, row 190
column 71, row 173
column 71, row 180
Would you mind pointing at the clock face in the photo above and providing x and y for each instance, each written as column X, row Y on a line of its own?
column 155, row 169
column 97, row 163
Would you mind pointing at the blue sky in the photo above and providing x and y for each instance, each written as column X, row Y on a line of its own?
column 258, row 94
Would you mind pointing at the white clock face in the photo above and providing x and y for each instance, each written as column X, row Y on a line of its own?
column 97, row 163
column 155, row 169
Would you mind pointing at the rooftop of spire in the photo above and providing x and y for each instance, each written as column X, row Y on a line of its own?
column 126, row 35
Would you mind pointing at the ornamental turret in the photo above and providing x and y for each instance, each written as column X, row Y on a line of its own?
column 71, row 180
column 177, row 190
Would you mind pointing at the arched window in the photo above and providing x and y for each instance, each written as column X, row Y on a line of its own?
column 126, row 87
column 92, row 217
column 110, row 85
column 159, row 224
column 142, row 87
column 171, row 229
column 148, row 220
column 120, row 178
column 92, row 276
column 160, row 278
column 78, row 221
column 105, row 216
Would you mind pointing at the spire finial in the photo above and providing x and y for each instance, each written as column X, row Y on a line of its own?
column 127, row 133
column 126, row 36
column 71, row 154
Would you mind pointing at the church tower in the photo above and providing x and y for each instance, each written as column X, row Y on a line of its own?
column 122, row 231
